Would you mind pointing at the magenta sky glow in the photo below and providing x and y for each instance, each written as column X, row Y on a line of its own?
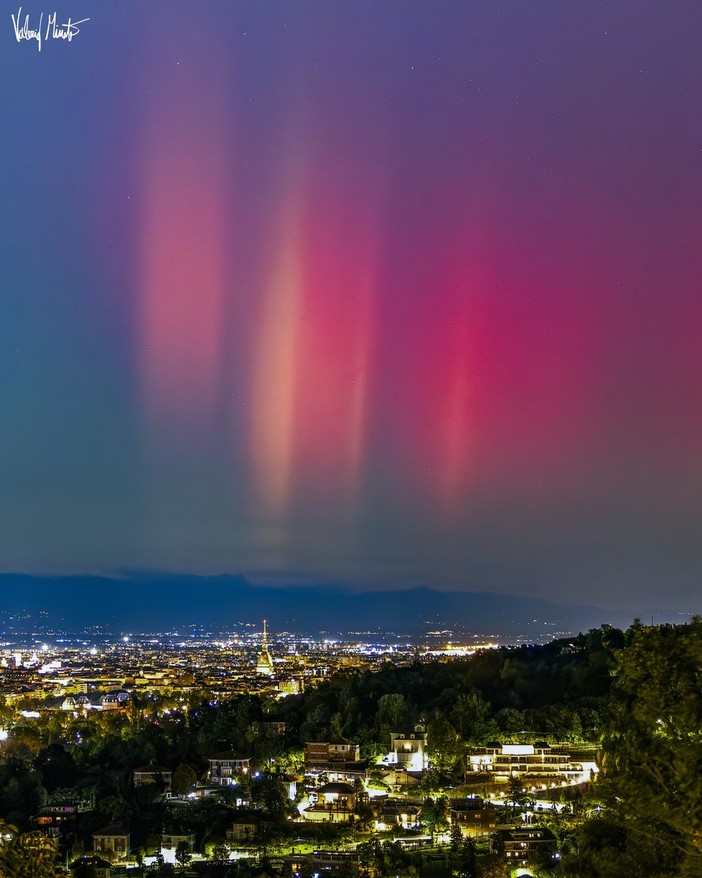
column 363, row 293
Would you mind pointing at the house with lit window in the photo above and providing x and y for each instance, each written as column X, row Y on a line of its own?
column 525, row 843
column 396, row 814
column 536, row 762
column 91, row 865
column 331, row 803
column 112, row 841
column 320, row 863
column 171, row 840
column 224, row 767
column 156, row 774
column 339, row 759
column 247, row 827
column 408, row 750
column 320, row 753
column 473, row 817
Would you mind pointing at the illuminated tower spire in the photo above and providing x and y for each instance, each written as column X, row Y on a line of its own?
column 264, row 664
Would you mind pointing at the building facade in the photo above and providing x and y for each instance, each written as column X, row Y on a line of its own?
column 224, row 768
column 539, row 762
column 112, row 841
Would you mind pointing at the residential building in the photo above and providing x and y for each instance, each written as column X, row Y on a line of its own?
column 474, row 818
column 113, row 841
column 92, row 865
column 395, row 813
column 171, row 840
column 408, row 750
column 247, row 827
column 273, row 727
column 340, row 760
column 155, row 774
column 522, row 844
column 291, row 686
column 324, row 752
column 540, row 762
column 320, row 863
column 224, row 767
column 333, row 802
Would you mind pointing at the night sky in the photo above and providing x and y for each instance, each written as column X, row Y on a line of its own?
column 356, row 292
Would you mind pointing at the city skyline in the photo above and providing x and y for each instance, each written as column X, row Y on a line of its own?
column 362, row 295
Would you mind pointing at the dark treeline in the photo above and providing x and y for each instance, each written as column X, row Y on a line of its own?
column 554, row 690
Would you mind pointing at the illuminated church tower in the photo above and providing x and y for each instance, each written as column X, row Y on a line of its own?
column 264, row 665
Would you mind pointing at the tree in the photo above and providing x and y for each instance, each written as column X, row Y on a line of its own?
column 184, row 780
column 471, row 716
column 492, row 866
column 443, row 743
column 336, row 726
column 220, row 852
column 652, row 750
column 392, row 710
column 183, row 854
column 117, row 808
column 369, row 855
column 269, row 794
column 468, row 863
column 26, row 855
column 608, row 847
column 20, row 791
column 394, row 857
column 56, row 767
column 433, row 814
column 517, row 794
column 363, row 812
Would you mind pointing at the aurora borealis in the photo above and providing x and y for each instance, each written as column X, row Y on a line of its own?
column 364, row 293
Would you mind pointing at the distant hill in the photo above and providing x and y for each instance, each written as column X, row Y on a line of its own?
column 152, row 602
